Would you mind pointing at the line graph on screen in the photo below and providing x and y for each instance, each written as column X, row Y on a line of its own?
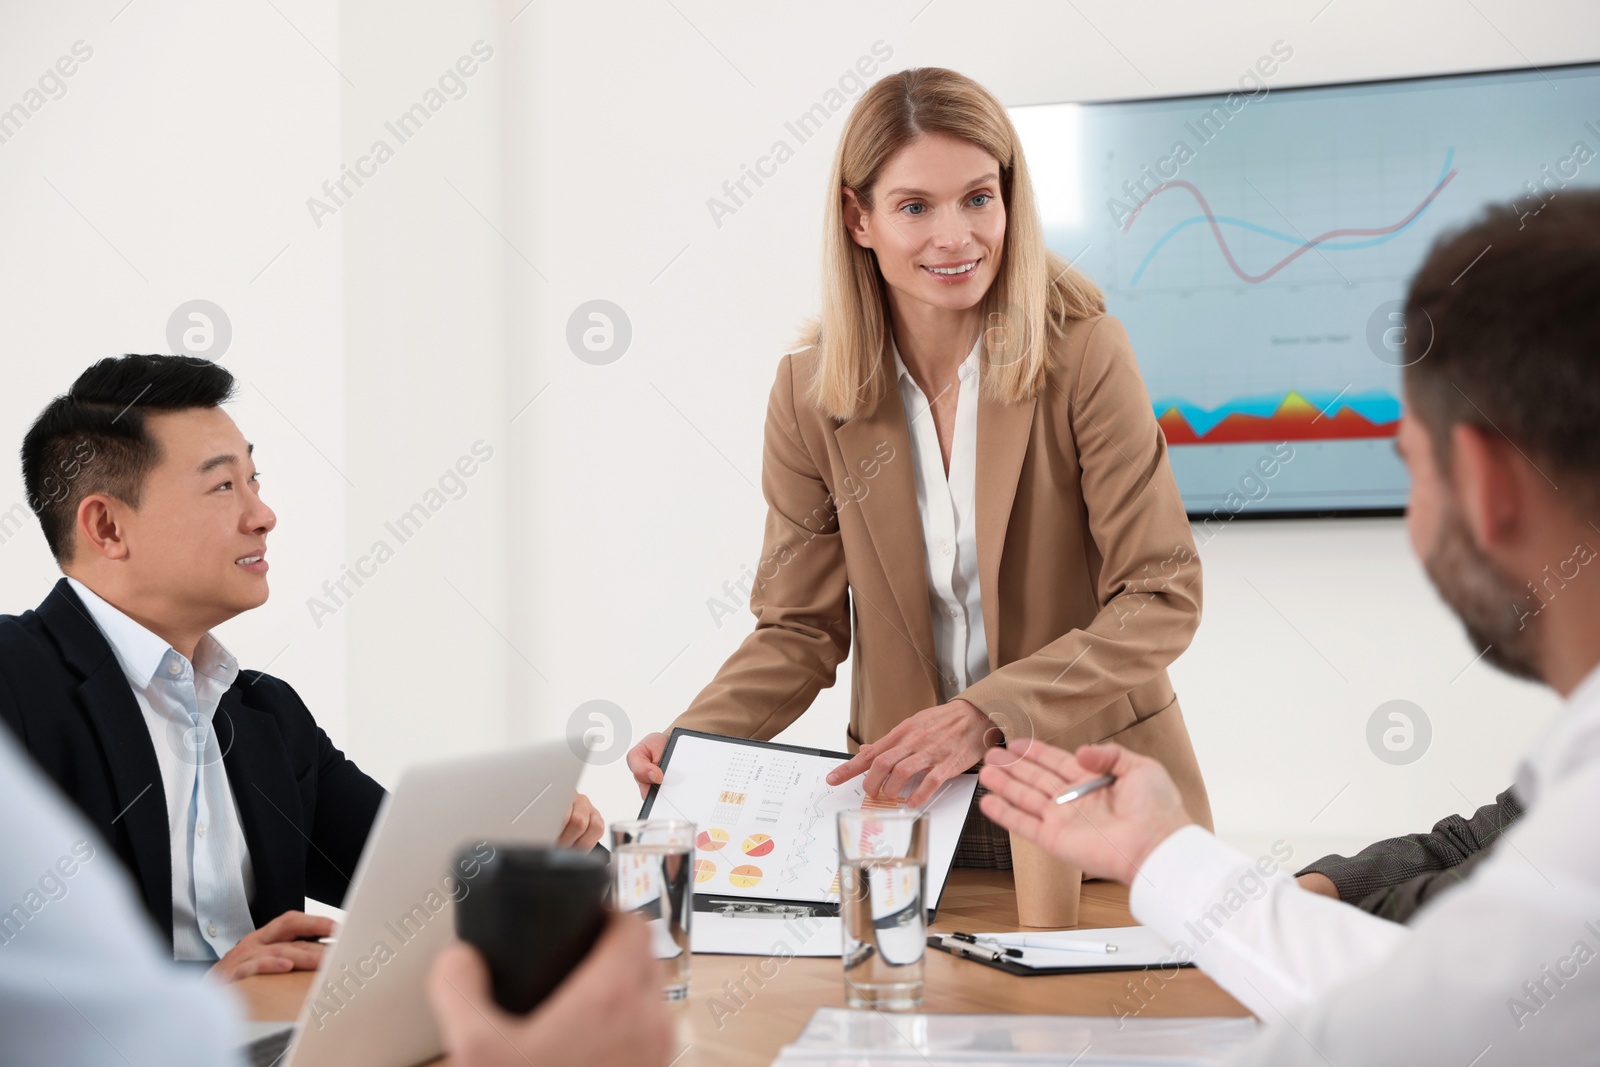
column 1339, row 239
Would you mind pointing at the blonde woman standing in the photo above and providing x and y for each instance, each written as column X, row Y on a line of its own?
column 966, row 489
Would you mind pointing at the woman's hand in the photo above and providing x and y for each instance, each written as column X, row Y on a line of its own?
column 644, row 760
column 937, row 743
column 1107, row 833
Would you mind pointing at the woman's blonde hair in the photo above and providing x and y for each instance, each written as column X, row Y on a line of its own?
column 1034, row 296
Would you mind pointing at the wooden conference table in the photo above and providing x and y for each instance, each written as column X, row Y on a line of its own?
column 783, row 1004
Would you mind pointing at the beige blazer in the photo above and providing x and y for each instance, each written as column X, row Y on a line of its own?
column 1088, row 573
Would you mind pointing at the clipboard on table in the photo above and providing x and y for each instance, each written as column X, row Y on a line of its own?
column 1142, row 947
column 766, row 844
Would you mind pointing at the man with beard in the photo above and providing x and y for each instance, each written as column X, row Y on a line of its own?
column 1502, row 393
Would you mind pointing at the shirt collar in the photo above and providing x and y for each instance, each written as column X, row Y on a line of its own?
column 968, row 365
column 141, row 653
column 1571, row 742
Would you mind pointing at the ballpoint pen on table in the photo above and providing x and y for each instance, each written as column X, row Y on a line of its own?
column 1048, row 942
column 1077, row 948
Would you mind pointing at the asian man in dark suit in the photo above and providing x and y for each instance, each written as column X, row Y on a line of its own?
column 214, row 785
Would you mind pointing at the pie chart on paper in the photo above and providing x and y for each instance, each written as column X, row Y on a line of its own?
column 744, row 876
column 704, row 870
column 758, row 845
column 711, row 840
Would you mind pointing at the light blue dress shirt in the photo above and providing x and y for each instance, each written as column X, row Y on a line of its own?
column 82, row 978
column 212, row 879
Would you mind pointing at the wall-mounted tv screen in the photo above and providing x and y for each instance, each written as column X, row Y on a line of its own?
column 1257, row 245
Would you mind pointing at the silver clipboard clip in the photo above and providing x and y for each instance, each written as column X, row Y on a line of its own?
column 739, row 909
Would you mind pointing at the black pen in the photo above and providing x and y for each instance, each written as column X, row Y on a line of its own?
column 973, row 940
column 970, row 950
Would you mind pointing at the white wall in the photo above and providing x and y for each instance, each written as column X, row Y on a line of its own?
column 175, row 167
column 426, row 364
column 428, row 311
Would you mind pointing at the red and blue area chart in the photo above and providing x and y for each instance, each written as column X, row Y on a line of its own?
column 1290, row 417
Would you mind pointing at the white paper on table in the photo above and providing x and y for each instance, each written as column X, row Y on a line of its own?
column 1137, row 946
column 766, row 819
column 817, row 935
column 836, row 1037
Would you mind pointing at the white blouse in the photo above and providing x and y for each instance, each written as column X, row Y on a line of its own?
column 946, row 505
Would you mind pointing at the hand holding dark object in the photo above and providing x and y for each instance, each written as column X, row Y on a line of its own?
column 609, row 1012
column 532, row 914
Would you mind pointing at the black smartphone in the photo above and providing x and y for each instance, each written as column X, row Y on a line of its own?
column 534, row 914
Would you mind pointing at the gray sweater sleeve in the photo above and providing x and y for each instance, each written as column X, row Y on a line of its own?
column 1393, row 879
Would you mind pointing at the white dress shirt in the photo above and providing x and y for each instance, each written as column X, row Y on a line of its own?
column 82, row 978
column 212, row 879
column 946, row 505
column 1502, row 969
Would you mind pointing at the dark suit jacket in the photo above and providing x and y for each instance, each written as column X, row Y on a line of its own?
column 304, row 808
column 1393, row 879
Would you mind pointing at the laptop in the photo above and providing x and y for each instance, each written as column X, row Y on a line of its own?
column 368, row 1003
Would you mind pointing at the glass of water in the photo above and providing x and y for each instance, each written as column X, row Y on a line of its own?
column 883, row 889
column 652, row 859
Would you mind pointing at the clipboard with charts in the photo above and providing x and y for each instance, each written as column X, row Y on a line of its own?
column 766, row 824
column 1139, row 948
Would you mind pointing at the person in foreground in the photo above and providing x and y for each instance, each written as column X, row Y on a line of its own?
column 83, row 980
column 214, row 785
column 1502, row 396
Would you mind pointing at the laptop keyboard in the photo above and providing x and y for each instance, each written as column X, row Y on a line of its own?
column 269, row 1051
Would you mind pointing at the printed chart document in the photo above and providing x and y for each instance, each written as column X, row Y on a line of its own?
column 766, row 861
column 836, row 1037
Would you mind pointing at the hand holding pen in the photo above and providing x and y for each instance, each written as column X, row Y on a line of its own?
column 1102, row 808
